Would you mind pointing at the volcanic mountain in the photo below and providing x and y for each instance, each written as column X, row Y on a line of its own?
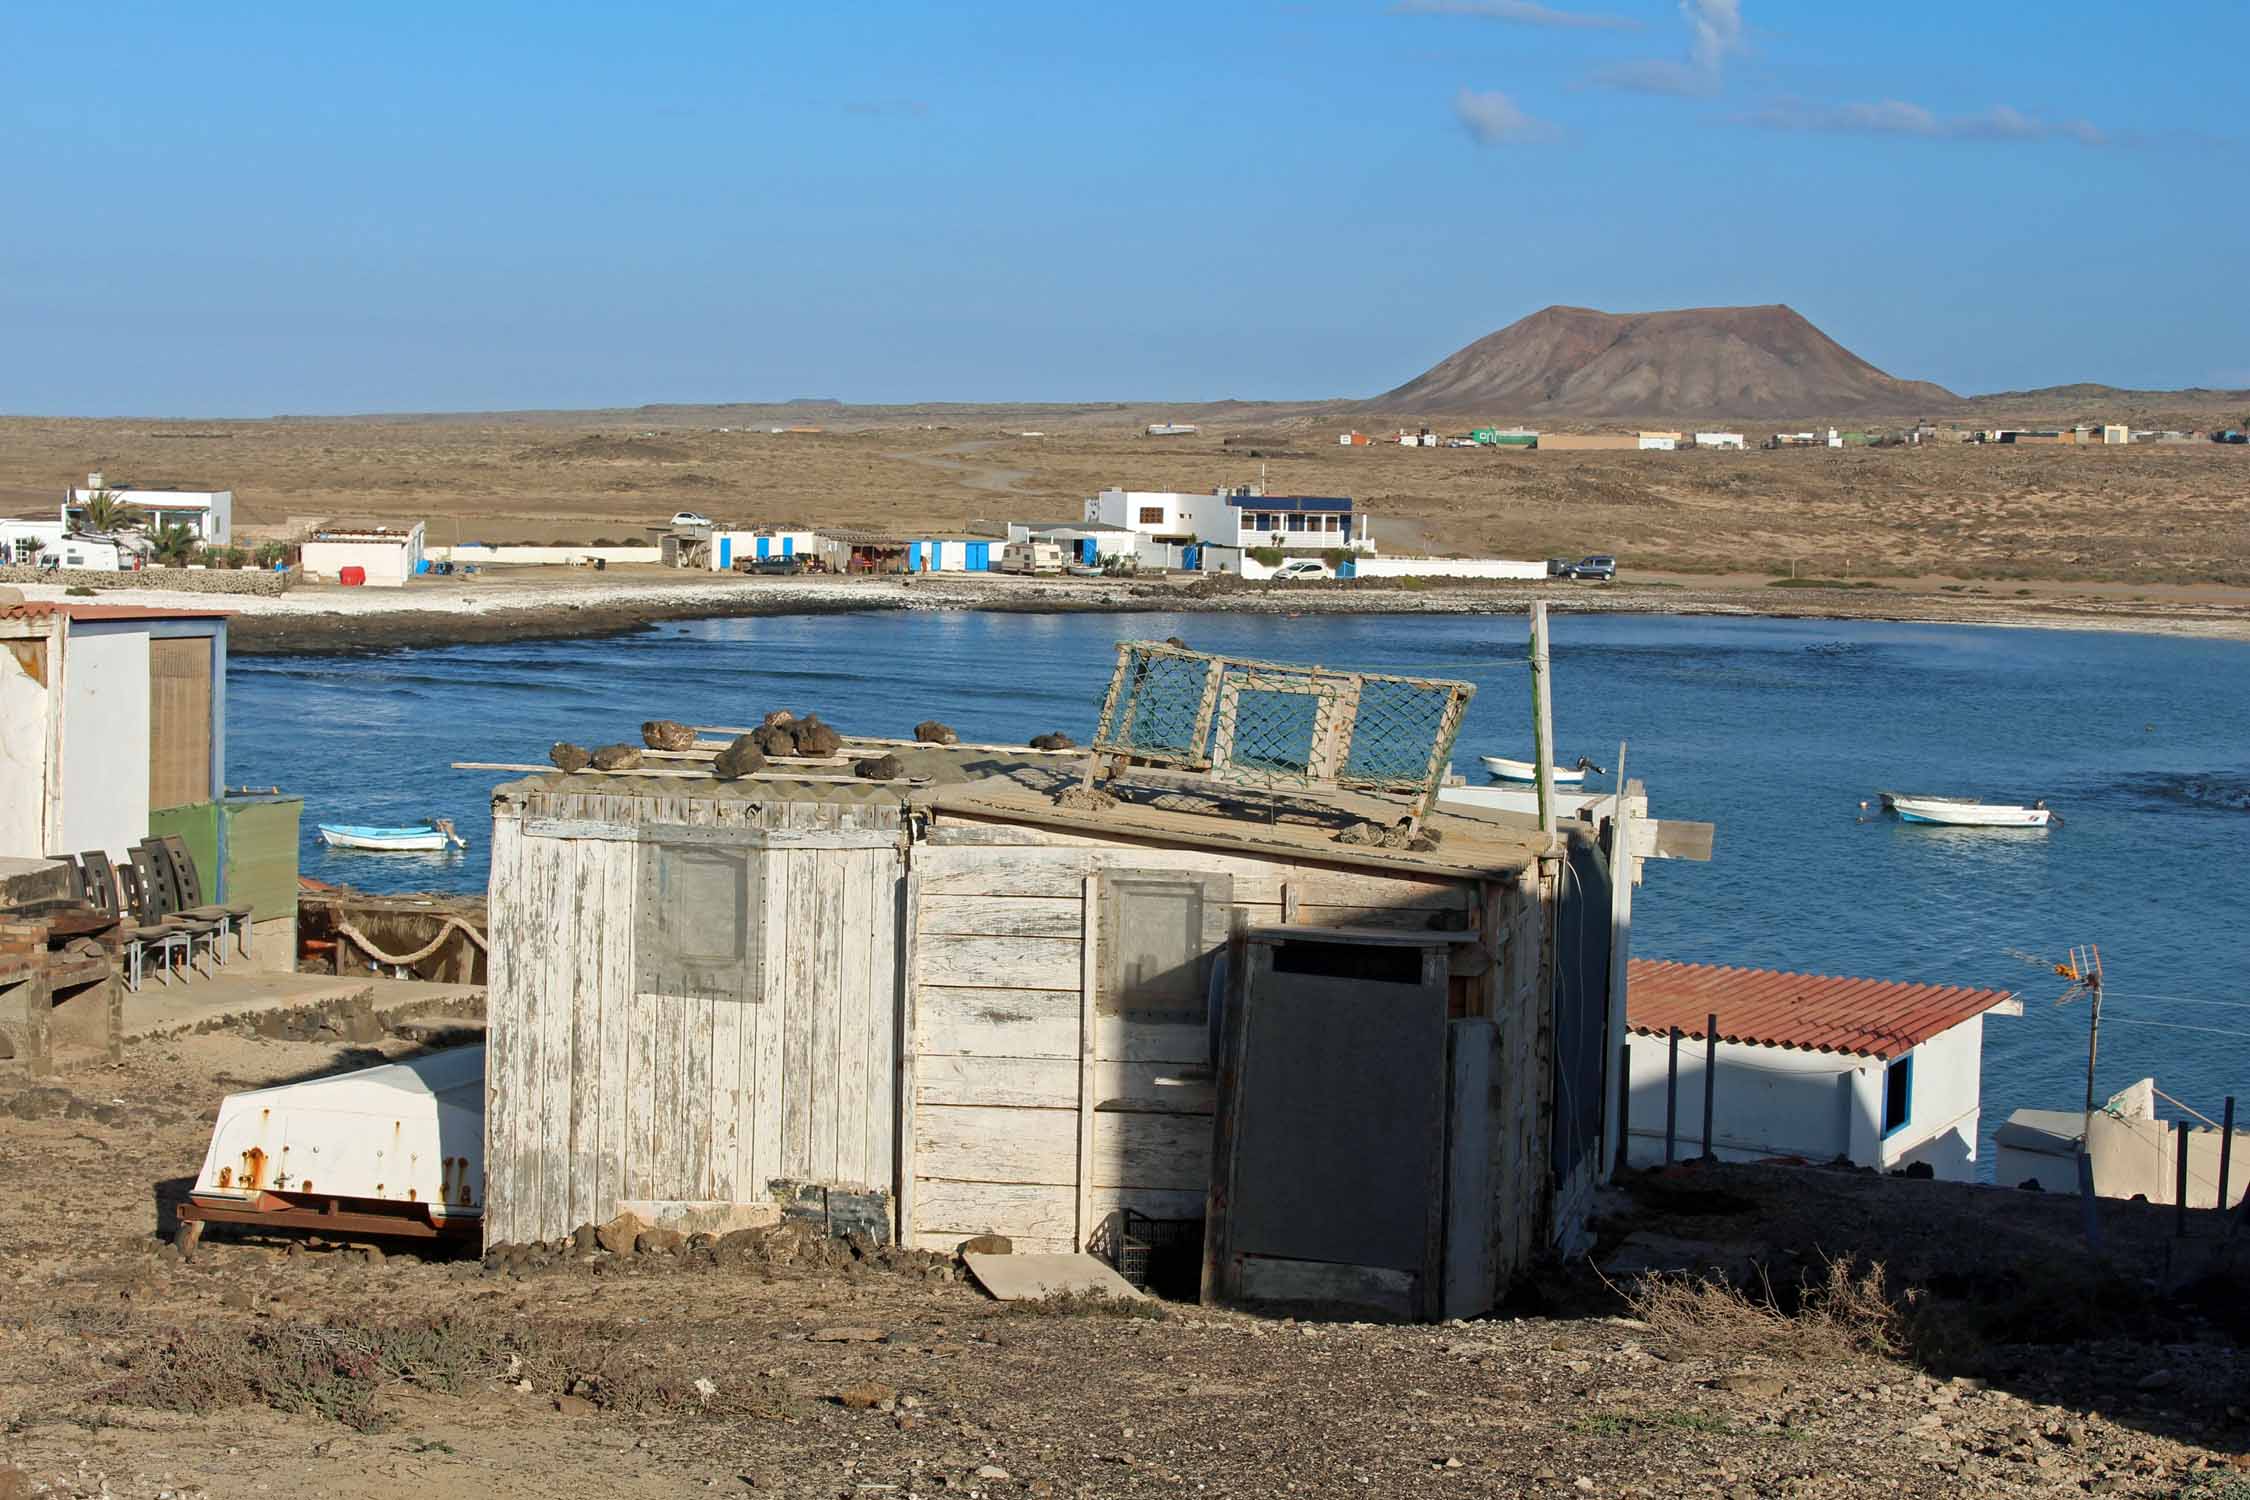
column 1574, row 362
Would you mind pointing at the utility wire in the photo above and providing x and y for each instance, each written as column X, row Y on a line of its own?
column 2178, row 1000
column 2176, row 1026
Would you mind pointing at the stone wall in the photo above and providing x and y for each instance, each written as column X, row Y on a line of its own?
column 258, row 581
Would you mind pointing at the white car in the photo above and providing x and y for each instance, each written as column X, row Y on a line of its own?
column 690, row 518
column 1298, row 569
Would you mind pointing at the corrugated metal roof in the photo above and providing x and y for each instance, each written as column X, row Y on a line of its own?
column 1770, row 1008
column 41, row 609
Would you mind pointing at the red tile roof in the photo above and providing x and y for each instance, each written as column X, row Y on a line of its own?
column 1766, row 1007
column 40, row 609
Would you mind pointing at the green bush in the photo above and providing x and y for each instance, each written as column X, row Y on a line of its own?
column 601, row 541
column 1266, row 557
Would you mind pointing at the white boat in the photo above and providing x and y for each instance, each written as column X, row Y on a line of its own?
column 315, row 1154
column 1524, row 770
column 419, row 838
column 1967, row 812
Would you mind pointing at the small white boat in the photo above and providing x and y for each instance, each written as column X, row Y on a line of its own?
column 1527, row 771
column 1967, row 812
column 419, row 838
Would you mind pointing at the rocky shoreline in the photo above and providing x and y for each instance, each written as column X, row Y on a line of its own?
column 308, row 632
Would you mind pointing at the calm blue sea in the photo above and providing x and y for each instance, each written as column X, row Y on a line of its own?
column 1771, row 729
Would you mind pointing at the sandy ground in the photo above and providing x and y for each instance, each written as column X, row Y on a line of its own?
column 530, row 603
column 2143, row 516
column 283, row 1368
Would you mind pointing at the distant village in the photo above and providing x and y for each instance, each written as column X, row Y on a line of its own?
column 2085, row 434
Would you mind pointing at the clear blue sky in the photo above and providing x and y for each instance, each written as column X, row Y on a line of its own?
column 224, row 209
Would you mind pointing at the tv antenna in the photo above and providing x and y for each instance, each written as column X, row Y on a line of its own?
column 2083, row 968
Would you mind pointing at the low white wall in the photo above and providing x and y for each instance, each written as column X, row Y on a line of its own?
column 1769, row 1101
column 1446, row 567
column 471, row 553
column 388, row 564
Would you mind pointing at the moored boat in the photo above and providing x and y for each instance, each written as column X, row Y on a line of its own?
column 1967, row 812
column 416, row 838
column 1523, row 770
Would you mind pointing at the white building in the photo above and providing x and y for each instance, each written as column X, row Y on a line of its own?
column 385, row 557
column 54, row 544
column 1879, row 1074
column 730, row 546
column 1718, row 440
column 107, row 712
column 207, row 513
column 1659, row 442
column 1239, row 517
column 1085, row 542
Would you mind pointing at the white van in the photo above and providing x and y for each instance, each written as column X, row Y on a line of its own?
column 1031, row 557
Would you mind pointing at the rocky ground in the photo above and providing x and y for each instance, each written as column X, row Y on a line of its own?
column 776, row 1364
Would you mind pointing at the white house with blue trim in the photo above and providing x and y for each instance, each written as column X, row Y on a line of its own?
column 1243, row 516
column 848, row 551
column 1873, row 1072
column 730, row 546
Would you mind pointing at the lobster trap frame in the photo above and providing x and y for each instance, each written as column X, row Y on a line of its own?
column 1271, row 726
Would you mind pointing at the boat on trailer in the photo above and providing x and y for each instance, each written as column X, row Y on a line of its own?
column 1967, row 812
column 412, row 839
column 1504, row 769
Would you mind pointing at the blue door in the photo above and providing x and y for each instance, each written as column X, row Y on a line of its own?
column 1192, row 559
column 765, row 548
column 913, row 557
column 980, row 557
column 788, row 546
column 726, row 553
column 1088, row 552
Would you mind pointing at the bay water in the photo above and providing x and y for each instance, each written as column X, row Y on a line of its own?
column 1774, row 730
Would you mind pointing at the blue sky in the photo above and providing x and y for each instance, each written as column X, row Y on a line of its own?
column 243, row 210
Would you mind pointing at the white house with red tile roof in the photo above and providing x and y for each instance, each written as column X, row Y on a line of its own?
column 1874, row 1072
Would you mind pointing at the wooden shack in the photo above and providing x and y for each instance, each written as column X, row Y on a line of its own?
column 1356, row 1059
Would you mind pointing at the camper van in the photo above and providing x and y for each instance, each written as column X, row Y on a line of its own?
column 1031, row 557
column 52, row 546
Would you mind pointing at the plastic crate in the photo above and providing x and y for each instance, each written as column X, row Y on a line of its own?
column 1160, row 1255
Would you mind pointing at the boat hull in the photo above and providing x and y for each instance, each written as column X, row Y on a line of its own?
column 1525, row 771
column 1969, row 814
column 383, row 840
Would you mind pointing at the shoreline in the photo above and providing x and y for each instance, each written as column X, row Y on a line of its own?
column 328, row 621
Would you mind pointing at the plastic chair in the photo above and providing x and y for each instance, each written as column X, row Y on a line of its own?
column 187, row 884
column 147, row 931
column 163, row 898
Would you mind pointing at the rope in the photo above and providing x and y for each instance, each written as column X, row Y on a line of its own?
column 361, row 938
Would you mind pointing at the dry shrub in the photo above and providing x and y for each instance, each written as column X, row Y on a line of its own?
column 1088, row 1304
column 1843, row 1311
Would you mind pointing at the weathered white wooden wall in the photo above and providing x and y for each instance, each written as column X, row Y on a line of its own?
column 597, row 1094
column 1016, row 1081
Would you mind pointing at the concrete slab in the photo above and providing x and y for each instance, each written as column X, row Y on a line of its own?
column 1020, row 1278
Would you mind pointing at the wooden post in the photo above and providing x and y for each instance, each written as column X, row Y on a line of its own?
column 1624, row 1103
column 1710, row 1082
column 1542, row 720
column 2180, row 1181
column 2226, row 1150
column 1622, row 863
column 1672, row 1100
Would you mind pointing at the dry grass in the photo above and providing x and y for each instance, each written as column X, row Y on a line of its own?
column 1845, row 1311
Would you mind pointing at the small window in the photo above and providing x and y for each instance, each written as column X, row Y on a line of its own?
column 697, row 929
column 1152, row 515
column 1898, row 1094
column 1161, row 938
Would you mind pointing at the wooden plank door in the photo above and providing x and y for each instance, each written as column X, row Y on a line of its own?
column 179, row 721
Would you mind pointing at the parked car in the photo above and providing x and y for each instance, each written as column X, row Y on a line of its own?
column 1558, row 567
column 690, row 518
column 1601, row 568
column 1299, row 569
column 771, row 567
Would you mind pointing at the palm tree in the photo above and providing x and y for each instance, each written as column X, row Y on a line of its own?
column 173, row 544
column 103, row 513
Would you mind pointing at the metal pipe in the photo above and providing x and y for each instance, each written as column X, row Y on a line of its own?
column 2226, row 1151
column 2179, row 1182
column 1710, row 1081
column 1672, row 1100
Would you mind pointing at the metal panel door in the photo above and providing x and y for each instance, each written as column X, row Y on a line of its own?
column 1333, row 1131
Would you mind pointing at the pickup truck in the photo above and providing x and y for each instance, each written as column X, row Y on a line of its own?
column 1601, row 568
